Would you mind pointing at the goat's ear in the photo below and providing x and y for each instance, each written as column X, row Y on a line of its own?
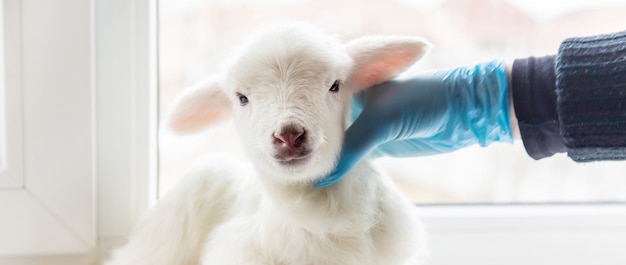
column 198, row 107
column 380, row 58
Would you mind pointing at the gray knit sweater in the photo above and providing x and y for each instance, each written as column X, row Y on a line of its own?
column 574, row 102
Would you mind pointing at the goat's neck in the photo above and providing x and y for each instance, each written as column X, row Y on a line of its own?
column 353, row 197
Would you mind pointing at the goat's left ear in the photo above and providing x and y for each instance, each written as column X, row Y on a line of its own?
column 198, row 107
column 380, row 58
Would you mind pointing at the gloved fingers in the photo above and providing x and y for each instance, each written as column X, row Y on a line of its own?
column 360, row 139
column 344, row 165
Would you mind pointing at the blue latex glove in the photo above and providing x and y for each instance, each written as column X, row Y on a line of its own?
column 432, row 113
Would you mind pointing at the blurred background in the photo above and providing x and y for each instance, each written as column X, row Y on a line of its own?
column 196, row 35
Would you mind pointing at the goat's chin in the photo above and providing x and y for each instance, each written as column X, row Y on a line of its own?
column 296, row 171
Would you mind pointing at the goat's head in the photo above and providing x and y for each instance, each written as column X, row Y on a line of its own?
column 289, row 90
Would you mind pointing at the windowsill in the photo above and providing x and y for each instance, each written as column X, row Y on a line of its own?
column 527, row 216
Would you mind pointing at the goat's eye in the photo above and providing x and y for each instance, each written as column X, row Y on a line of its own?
column 334, row 87
column 243, row 100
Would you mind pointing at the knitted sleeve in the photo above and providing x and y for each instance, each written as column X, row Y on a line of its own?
column 591, row 96
column 574, row 102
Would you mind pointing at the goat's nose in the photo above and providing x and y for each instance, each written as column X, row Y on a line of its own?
column 289, row 136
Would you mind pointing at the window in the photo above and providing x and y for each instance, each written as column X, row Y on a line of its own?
column 483, row 206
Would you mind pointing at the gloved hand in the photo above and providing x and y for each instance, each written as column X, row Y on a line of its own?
column 432, row 113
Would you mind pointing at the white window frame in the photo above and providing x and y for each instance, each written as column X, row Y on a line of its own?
column 123, row 70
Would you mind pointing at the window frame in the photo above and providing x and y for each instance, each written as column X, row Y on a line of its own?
column 37, row 205
column 120, row 65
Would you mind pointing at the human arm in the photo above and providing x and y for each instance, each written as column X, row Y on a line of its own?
column 572, row 102
column 431, row 113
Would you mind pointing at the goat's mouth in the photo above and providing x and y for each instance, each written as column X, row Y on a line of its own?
column 292, row 158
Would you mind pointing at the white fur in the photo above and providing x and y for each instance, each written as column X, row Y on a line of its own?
column 227, row 211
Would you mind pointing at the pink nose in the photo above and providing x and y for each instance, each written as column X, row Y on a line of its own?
column 289, row 136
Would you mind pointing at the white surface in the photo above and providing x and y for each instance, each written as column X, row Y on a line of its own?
column 29, row 227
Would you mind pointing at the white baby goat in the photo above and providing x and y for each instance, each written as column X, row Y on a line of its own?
column 289, row 92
